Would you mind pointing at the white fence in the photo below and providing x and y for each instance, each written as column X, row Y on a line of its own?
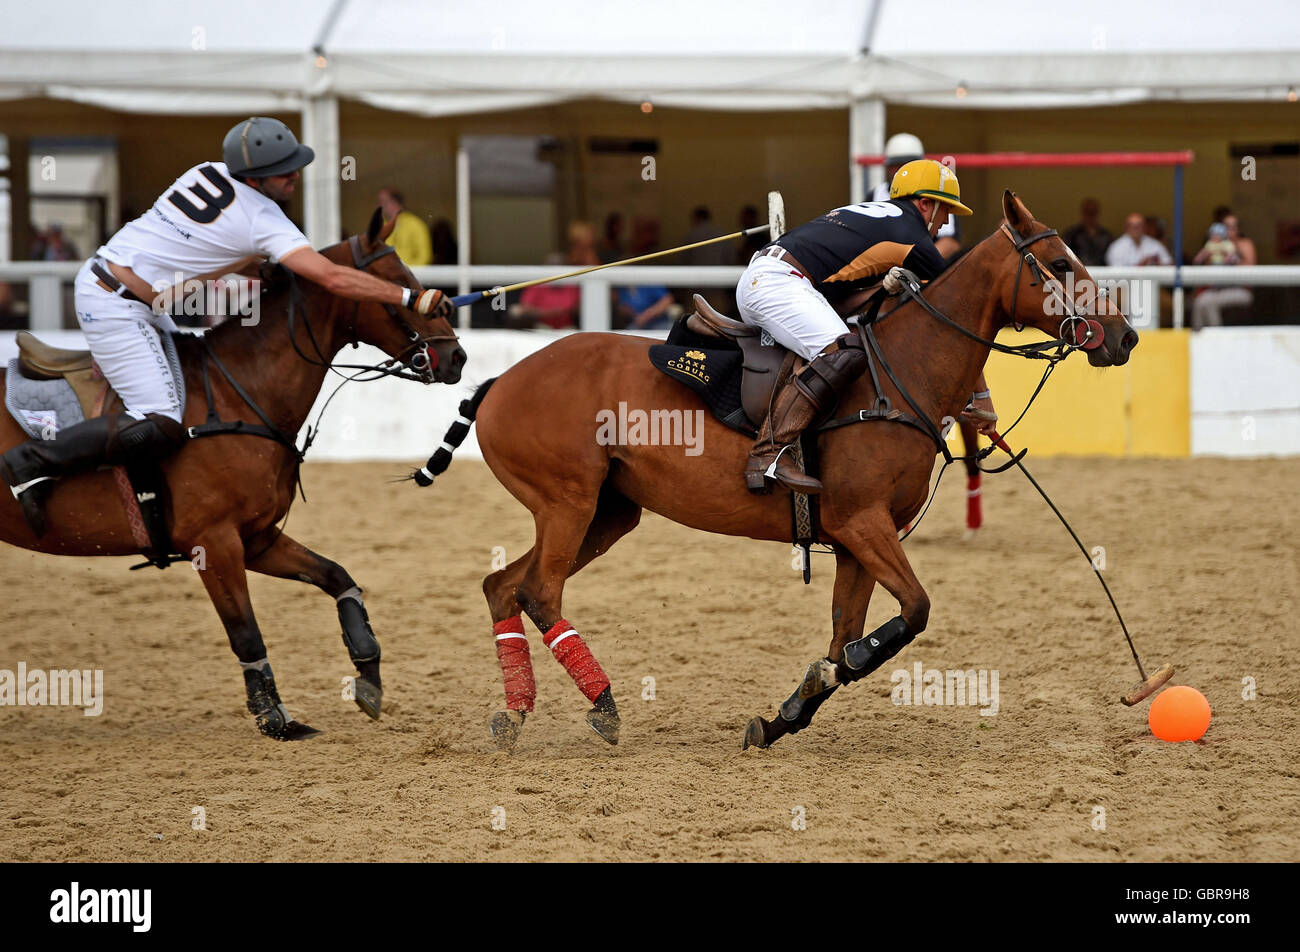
column 46, row 280
column 1245, row 396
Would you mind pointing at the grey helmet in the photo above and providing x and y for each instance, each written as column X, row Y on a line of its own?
column 260, row 147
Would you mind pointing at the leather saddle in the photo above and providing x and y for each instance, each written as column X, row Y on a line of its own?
column 762, row 362
column 37, row 360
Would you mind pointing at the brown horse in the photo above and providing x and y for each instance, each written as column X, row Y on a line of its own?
column 538, row 430
column 228, row 492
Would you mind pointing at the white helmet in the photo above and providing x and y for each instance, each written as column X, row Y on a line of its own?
column 903, row 147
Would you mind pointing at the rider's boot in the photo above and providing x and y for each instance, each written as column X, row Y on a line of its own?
column 801, row 399
column 115, row 439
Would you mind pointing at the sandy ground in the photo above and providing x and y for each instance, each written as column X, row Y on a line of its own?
column 1200, row 554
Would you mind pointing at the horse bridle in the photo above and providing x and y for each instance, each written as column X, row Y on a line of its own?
column 422, row 360
column 1073, row 312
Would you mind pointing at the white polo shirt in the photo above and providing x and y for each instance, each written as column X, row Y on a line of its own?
column 205, row 222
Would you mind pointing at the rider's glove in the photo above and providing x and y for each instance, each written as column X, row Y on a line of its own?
column 893, row 282
column 430, row 303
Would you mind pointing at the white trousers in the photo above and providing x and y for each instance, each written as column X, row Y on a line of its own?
column 782, row 302
column 1207, row 307
column 123, row 340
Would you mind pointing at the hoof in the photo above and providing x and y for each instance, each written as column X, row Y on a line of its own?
column 297, row 731
column 368, row 697
column 756, row 734
column 505, row 727
column 278, row 725
column 603, row 723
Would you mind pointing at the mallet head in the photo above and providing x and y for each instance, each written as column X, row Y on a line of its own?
column 1144, row 689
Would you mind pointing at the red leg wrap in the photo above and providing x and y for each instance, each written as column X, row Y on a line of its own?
column 572, row 652
column 974, row 513
column 516, row 664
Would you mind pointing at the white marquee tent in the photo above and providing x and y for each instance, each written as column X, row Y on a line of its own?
column 440, row 58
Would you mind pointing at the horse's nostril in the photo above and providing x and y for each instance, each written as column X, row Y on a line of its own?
column 1129, row 340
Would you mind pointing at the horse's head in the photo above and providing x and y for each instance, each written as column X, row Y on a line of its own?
column 426, row 345
column 1046, row 286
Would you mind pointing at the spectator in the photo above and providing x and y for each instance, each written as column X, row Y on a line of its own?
column 57, row 248
column 410, row 235
column 1135, row 247
column 702, row 228
column 36, row 242
column 557, row 305
column 646, row 307
column 1245, row 246
column 1089, row 239
column 752, row 243
column 1208, row 304
column 443, row 243
column 611, row 246
column 1221, row 249
column 1220, row 213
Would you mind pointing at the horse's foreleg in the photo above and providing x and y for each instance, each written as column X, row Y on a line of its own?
column 974, row 510
column 286, row 558
column 224, row 578
column 852, row 594
column 872, row 539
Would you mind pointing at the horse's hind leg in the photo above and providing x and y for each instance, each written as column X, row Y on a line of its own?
column 286, row 558
column 227, row 584
column 615, row 516
column 853, row 586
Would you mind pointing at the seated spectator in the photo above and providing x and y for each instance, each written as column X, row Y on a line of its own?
column 1221, row 249
column 1245, row 246
column 58, row 248
column 555, row 305
column 750, row 244
column 1135, row 247
column 648, row 307
column 410, row 235
column 702, row 228
column 1089, row 239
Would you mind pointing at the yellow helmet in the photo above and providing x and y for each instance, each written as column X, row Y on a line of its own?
column 929, row 179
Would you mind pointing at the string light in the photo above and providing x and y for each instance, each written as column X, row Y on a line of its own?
column 647, row 107
column 961, row 90
column 1290, row 95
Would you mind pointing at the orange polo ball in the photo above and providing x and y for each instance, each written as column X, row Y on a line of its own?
column 1179, row 713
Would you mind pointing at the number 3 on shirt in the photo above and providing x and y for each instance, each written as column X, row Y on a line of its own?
column 873, row 209
column 212, row 204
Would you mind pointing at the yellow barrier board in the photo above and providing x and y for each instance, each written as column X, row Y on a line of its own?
column 1140, row 409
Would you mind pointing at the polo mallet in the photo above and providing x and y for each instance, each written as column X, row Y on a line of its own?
column 775, row 227
column 1148, row 685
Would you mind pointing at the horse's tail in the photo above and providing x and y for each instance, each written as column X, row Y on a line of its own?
column 456, row 434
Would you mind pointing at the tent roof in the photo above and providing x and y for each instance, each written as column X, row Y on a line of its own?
column 446, row 57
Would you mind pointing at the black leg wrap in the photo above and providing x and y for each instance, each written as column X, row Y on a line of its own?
column 798, row 711
column 865, row 655
column 357, row 634
column 264, row 701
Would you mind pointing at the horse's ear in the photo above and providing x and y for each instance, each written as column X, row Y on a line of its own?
column 373, row 229
column 1014, row 210
column 378, row 230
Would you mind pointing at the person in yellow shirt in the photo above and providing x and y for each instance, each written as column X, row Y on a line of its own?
column 410, row 235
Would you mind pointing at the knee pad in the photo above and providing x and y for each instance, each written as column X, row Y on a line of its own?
column 156, row 436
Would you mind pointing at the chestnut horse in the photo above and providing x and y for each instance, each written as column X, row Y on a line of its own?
column 229, row 491
column 538, row 428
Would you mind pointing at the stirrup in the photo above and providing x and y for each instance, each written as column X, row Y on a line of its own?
column 32, row 496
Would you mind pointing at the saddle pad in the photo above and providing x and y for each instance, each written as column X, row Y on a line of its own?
column 713, row 374
column 43, row 407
